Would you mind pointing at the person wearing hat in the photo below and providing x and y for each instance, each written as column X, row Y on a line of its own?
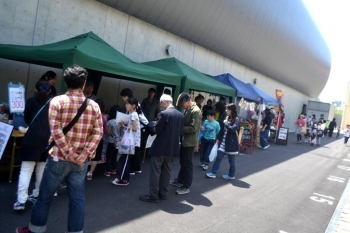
column 192, row 123
column 88, row 91
column 150, row 106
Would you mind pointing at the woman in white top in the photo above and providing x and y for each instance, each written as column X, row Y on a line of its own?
column 133, row 125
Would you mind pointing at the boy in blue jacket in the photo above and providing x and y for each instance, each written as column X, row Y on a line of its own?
column 211, row 128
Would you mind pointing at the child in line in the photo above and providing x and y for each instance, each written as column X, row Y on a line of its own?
column 346, row 134
column 134, row 125
column 98, row 155
column 211, row 128
column 113, row 137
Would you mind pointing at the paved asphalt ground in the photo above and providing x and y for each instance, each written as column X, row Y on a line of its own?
column 284, row 189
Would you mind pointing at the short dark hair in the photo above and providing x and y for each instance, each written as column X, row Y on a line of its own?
column 127, row 92
column 49, row 75
column 152, row 90
column 167, row 91
column 43, row 88
column 211, row 113
column 75, row 76
column 134, row 101
column 113, row 111
column 222, row 98
column 183, row 98
column 89, row 84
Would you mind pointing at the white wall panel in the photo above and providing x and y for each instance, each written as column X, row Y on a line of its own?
column 115, row 29
column 22, row 33
column 26, row 10
column 138, row 40
column 8, row 8
column 6, row 28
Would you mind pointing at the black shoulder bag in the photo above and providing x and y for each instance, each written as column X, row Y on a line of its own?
column 67, row 127
column 150, row 128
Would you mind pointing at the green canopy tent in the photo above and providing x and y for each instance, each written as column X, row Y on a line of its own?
column 91, row 52
column 192, row 78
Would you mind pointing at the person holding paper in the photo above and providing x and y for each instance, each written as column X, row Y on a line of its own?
column 134, row 126
column 135, row 164
column 165, row 146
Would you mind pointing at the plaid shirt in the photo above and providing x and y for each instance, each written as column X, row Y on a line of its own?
column 84, row 136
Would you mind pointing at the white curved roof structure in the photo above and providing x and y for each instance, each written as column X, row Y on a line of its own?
column 277, row 38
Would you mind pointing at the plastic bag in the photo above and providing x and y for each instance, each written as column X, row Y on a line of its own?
column 127, row 144
column 213, row 153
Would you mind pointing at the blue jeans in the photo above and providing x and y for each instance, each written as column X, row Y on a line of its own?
column 231, row 160
column 55, row 173
column 263, row 137
column 206, row 146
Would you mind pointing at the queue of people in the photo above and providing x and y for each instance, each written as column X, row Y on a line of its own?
column 80, row 134
column 314, row 130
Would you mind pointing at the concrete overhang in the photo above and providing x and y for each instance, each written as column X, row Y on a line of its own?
column 276, row 38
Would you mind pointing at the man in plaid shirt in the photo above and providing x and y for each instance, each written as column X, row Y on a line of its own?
column 67, row 158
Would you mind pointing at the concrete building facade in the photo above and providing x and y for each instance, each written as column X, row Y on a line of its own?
column 37, row 22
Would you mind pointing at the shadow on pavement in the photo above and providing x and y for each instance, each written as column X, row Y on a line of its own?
column 108, row 206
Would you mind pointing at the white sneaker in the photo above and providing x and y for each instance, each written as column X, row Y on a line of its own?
column 266, row 147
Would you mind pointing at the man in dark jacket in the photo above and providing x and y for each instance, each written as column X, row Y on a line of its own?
column 331, row 127
column 192, row 123
column 165, row 146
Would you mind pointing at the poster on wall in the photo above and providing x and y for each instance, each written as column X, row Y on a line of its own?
column 16, row 97
column 279, row 97
column 5, row 133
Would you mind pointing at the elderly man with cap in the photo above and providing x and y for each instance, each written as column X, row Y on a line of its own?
column 88, row 91
column 192, row 123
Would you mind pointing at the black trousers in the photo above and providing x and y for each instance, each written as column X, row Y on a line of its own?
column 330, row 132
column 186, row 171
column 111, row 157
column 135, row 161
column 159, row 175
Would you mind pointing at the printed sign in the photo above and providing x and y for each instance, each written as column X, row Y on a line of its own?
column 5, row 133
column 247, row 136
column 282, row 136
column 16, row 97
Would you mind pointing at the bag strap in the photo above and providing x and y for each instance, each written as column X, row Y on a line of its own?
column 48, row 101
column 72, row 123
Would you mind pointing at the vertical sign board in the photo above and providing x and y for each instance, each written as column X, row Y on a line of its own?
column 247, row 136
column 5, row 133
column 16, row 97
column 282, row 136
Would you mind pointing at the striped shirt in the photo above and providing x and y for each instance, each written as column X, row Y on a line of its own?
column 84, row 136
column 222, row 144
